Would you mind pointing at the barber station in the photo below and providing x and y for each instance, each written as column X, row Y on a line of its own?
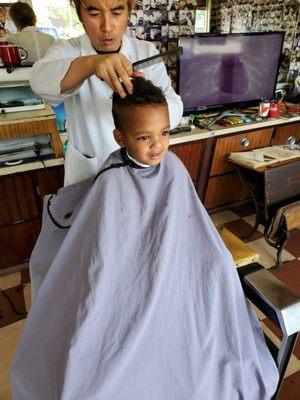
column 149, row 200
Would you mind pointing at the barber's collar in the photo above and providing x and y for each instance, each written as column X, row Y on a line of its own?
column 108, row 52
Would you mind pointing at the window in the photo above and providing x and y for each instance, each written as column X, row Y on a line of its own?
column 57, row 18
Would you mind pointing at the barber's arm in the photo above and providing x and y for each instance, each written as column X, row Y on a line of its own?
column 108, row 67
column 62, row 71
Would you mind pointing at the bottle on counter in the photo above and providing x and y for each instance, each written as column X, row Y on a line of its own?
column 264, row 107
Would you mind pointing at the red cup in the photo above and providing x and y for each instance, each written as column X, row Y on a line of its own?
column 274, row 110
column 12, row 54
column 3, row 44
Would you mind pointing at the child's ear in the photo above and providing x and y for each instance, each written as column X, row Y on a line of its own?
column 119, row 137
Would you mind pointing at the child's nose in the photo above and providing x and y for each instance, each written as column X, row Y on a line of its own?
column 156, row 143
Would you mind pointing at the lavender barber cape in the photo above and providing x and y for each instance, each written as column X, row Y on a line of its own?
column 141, row 300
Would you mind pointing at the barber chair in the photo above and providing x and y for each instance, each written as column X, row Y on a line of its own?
column 272, row 297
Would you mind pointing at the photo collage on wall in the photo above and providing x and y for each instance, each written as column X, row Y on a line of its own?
column 162, row 22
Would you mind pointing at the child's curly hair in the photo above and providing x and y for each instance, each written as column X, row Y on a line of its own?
column 144, row 93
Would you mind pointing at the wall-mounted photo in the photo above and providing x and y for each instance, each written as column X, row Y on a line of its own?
column 165, row 33
column 170, row 17
column 173, row 5
column 188, row 4
column 153, row 17
column 136, row 18
column 187, row 17
column 136, row 32
column 173, row 31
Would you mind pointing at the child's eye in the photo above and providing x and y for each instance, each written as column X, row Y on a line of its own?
column 165, row 133
column 143, row 138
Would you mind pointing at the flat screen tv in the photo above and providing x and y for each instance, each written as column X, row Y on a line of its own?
column 222, row 71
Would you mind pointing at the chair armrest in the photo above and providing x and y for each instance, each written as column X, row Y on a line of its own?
column 273, row 295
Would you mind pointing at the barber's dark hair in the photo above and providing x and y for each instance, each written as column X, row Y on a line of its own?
column 144, row 93
column 76, row 4
column 22, row 14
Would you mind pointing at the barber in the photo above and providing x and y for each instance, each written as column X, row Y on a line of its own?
column 83, row 73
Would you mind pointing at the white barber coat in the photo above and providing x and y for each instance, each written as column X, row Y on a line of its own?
column 88, row 106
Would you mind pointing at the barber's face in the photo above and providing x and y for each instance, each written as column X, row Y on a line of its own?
column 105, row 22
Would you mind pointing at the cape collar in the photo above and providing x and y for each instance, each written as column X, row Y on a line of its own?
column 131, row 161
column 137, row 162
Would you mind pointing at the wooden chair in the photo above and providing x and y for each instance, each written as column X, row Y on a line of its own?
column 270, row 296
column 285, row 219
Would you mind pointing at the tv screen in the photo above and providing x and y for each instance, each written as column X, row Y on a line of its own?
column 222, row 70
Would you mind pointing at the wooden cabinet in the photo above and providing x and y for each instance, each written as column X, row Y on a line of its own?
column 224, row 189
column 50, row 180
column 240, row 142
column 196, row 158
column 191, row 155
column 282, row 133
column 17, row 242
column 21, row 198
column 215, row 178
column 224, row 186
column 18, row 199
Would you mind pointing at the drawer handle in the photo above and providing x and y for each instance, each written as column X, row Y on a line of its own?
column 291, row 140
column 9, row 163
column 245, row 142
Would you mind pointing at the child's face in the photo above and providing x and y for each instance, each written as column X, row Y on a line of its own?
column 145, row 133
column 2, row 17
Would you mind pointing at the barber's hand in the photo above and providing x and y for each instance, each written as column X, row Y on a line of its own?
column 112, row 68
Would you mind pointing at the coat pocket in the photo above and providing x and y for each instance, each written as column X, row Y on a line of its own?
column 78, row 167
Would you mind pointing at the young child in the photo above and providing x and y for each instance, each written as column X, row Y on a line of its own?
column 139, row 298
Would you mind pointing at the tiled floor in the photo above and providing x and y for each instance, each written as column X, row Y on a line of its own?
column 238, row 221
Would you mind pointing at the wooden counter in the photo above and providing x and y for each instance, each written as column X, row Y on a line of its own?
column 216, row 130
column 31, row 123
